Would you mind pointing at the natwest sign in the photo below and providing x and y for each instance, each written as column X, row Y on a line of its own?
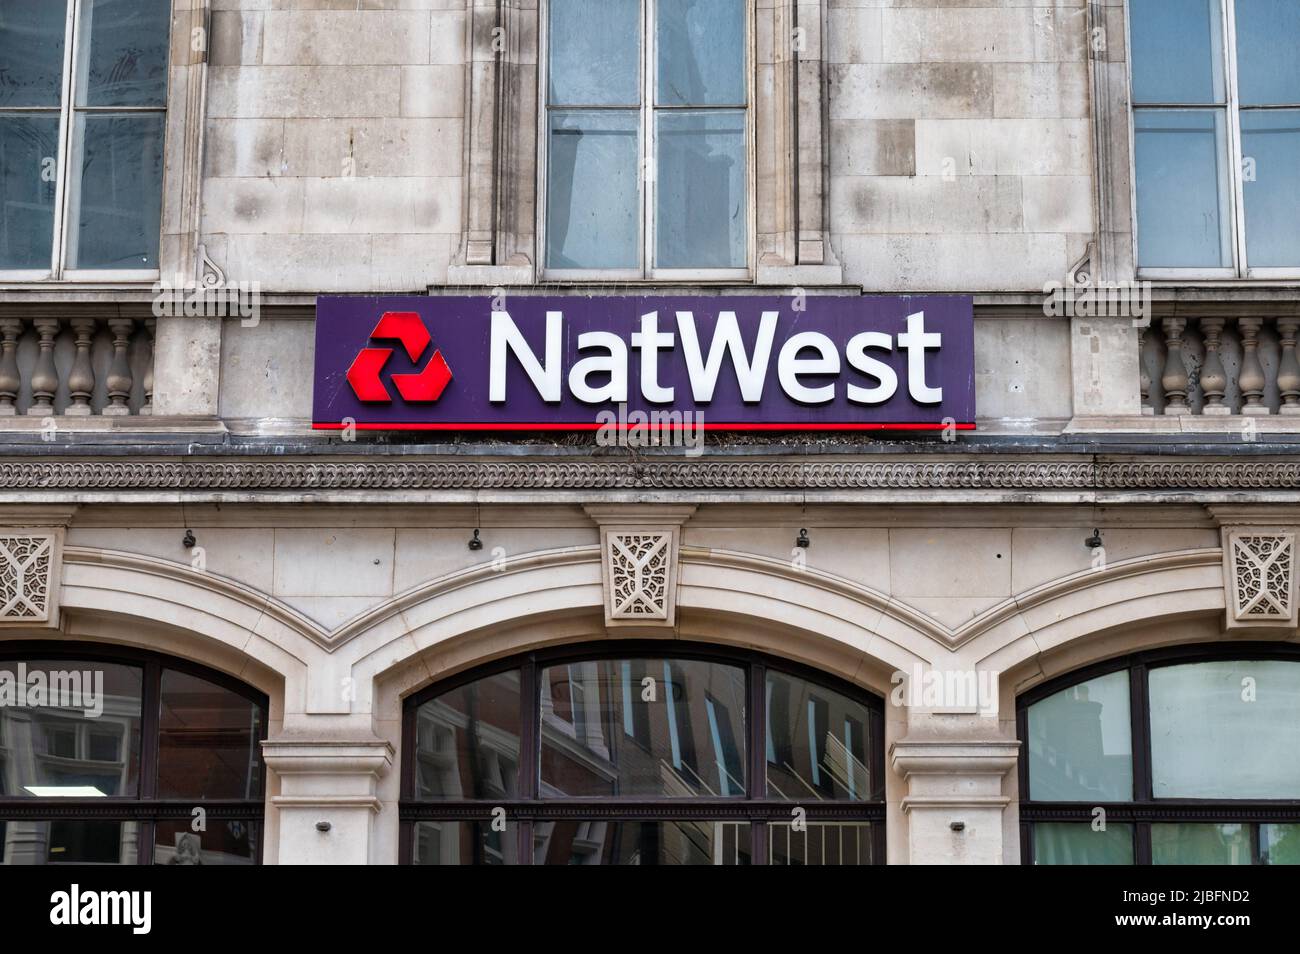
column 567, row 363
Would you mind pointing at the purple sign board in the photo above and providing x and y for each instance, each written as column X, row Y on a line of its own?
column 573, row 363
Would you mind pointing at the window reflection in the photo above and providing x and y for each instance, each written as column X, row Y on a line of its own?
column 465, row 843
column 1080, row 743
column 599, row 842
column 818, row 743
column 648, row 727
column 208, row 746
column 223, row 843
column 72, row 728
column 467, row 741
column 69, row 842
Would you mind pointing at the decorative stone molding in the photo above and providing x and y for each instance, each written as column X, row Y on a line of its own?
column 29, row 577
column 181, row 258
column 640, row 550
column 1085, row 473
column 1260, row 577
column 501, row 126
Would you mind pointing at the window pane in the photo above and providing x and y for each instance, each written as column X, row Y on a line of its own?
column 464, row 843
column 700, row 189
column 69, row 728
column 1279, row 844
column 692, row 743
column 1268, row 67
column 595, row 53
column 1200, row 844
column 209, row 741
column 818, row 743
column 116, row 208
column 224, row 843
column 69, row 842
column 1072, row 843
column 28, row 168
column 593, row 195
column 1182, row 189
column 1080, row 743
column 1177, row 51
column 821, row 843
column 467, row 741
column 641, row 843
column 701, row 52
column 1226, row 730
column 124, row 47
column 1270, row 145
column 31, row 52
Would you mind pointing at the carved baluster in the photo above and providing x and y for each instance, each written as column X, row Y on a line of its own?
column 1174, row 379
column 45, row 377
column 150, row 325
column 1252, row 379
column 119, row 372
column 1288, row 368
column 10, row 382
column 1144, row 378
column 1214, row 380
column 81, row 380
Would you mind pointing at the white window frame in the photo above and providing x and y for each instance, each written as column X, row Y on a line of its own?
column 644, row 272
column 68, row 110
column 1240, row 269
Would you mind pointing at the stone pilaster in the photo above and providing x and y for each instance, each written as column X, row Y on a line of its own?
column 954, row 798
column 329, row 796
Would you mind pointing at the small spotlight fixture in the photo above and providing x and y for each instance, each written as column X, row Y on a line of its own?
column 1094, row 541
column 475, row 543
column 189, row 540
column 323, row 826
column 957, row 825
column 802, row 540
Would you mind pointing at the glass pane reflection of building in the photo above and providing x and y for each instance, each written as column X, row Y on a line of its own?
column 818, row 743
column 81, row 738
column 607, row 842
column 643, row 727
column 71, row 731
column 467, row 741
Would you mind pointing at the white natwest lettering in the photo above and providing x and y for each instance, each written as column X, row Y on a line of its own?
column 605, row 354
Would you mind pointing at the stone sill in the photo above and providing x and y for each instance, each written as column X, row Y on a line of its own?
column 1153, row 424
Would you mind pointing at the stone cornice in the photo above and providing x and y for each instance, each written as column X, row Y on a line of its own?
column 1003, row 473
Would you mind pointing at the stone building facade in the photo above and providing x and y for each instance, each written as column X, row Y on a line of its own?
column 1125, row 507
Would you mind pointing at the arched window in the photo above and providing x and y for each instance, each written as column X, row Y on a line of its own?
column 634, row 753
column 1176, row 756
column 118, row 756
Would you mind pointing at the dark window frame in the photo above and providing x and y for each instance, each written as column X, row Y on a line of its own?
column 754, row 807
column 145, row 807
column 1145, row 809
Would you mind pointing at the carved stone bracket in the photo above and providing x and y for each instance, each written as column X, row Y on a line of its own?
column 29, row 577
column 1259, row 566
column 639, row 556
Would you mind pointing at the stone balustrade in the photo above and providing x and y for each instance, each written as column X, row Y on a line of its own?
column 76, row 367
column 1220, row 366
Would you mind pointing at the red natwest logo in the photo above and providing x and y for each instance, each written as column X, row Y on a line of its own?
column 425, row 387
